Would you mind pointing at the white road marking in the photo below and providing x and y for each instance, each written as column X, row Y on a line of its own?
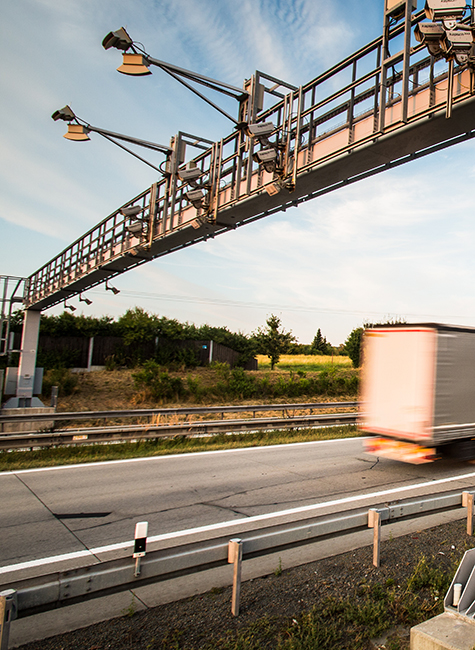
column 236, row 522
column 184, row 455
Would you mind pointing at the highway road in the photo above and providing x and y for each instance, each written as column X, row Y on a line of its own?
column 48, row 512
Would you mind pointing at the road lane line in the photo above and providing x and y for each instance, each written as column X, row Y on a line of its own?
column 236, row 522
column 184, row 455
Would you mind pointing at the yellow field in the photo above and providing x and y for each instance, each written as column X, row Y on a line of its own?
column 305, row 362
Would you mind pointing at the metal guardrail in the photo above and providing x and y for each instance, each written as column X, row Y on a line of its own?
column 193, row 410
column 88, row 435
column 60, row 588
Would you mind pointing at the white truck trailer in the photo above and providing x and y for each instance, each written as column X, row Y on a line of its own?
column 417, row 398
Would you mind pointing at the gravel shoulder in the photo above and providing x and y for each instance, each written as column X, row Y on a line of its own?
column 274, row 607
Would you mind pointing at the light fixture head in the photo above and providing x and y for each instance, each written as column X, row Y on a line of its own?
column 118, row 39
column 261, row 129
column 134, row 64
column 86, row 300
column 65, row 113
column 424, row 32
column 459, row 44
column 71, row 307
column 77, row 132
column 431, row 35
column 134, row 228
column 448, row 11
column 196, row 198
column 131, row 211
column 189, row 175
column 114, row 290
column 267, row 158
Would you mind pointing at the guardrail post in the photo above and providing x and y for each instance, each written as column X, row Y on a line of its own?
column 467, row 502
column 54, row 396
column 374, row 522
column 8, row 612
column 140, row 544
column 235, row 557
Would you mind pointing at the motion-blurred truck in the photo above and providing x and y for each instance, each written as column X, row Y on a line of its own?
column 417, row 400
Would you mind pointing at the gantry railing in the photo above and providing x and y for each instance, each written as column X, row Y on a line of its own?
column 361, row 105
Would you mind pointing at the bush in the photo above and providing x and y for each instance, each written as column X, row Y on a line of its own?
column 61, row 377
column 158, row 382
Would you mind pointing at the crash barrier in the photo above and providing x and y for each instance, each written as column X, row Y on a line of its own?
column 93, row 435
column 61, row 588
column 185, row 412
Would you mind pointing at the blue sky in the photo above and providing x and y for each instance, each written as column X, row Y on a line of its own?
column 399, row 244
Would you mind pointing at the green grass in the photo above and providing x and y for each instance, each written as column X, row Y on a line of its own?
column 16, row 460
column 305, row 362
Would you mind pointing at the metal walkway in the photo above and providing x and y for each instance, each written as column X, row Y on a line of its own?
column 373, row 111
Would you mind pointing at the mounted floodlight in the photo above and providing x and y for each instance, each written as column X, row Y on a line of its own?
column 431, row 35
column 69, row 306
column 131, row 211
column 267, row 158
column 65, row 113
column 134, row 228
column 189, row 175
column 261, row 129
column 134, row 64
column 86, row 300
column 137, row 64
column 447, row 11
column 459, row 44
column 118, row 39
column 113, row 289
column 77, row 132
column 196, row 198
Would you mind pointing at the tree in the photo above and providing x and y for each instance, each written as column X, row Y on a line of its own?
column 353, row 345
column 273, row 341
column 320, row 344
column 137, row 325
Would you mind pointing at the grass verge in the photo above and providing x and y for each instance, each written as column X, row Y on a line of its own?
column 16, row 460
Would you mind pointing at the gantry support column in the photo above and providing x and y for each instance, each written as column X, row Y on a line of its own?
column 29, row 347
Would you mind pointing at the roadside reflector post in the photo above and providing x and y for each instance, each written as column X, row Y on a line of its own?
column 8, row 612
column 374, row 522
column 467, row 502
column 140, row 545
column 235, row 557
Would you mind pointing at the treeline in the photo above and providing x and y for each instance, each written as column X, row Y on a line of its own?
column 137, row 326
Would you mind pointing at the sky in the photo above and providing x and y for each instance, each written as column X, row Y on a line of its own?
column 398, row 245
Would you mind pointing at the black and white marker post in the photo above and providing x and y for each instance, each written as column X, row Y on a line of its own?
column 141, row 531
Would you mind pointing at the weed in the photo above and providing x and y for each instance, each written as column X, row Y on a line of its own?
column 278, row 570
column 131, row 609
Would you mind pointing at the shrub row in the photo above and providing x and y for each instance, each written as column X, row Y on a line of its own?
column 239, row 384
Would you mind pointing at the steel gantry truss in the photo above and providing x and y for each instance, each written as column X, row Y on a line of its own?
column 387, row 109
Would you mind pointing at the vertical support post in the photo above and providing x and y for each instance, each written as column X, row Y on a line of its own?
column 89, row 353
column 467, row 502
column 406, row 60
column 235, row 557
column 8, row 612
column 374, row 522
column 210, row 356
column 29, row 347
column 54, row 396
column 450, row 90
